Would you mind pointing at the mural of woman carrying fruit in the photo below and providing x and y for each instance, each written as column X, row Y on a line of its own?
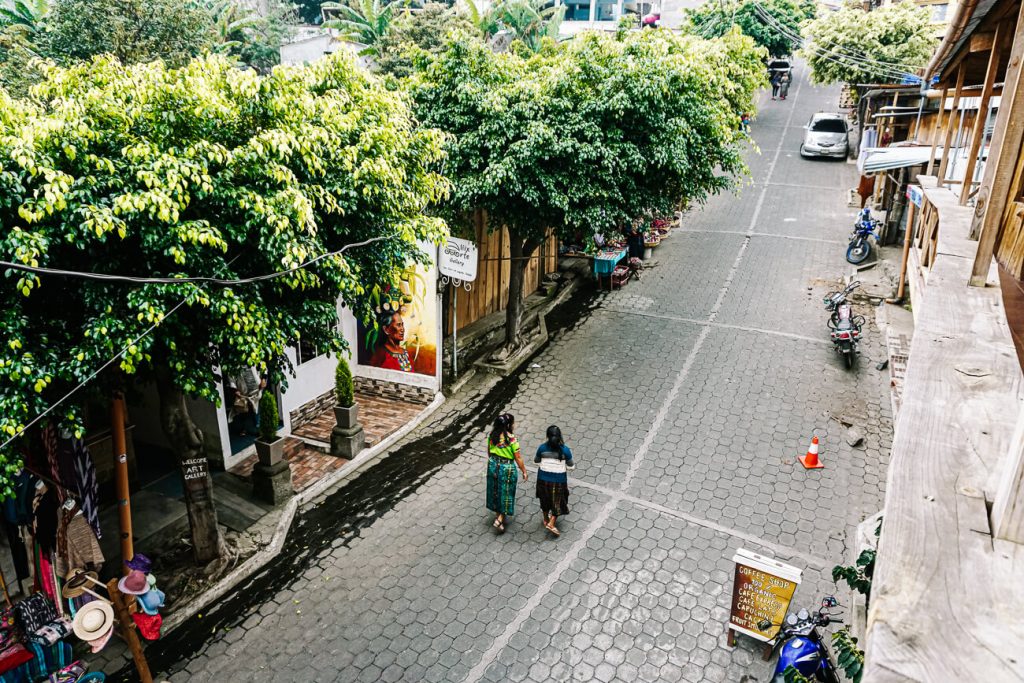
column 403, row 335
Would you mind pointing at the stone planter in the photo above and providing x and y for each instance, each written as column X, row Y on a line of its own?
column 270, row 454
column 272, row 475
column 347, row 418
column 347, row 437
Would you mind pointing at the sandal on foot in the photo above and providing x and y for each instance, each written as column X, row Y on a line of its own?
column 501, row 528
column 553, row 529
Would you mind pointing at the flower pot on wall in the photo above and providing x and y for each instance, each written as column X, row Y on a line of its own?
column 347, row 437
column 347, row 417
column 270, row 453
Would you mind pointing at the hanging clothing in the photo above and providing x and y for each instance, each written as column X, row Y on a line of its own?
column 77, row 547
column 88, row 488
column 49, row 436
column 44, row 508
column 18, row 554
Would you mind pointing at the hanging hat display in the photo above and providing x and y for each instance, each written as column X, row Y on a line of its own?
column 94, row 620
column 149, row 625
column 76, row 583
column 133, row 584
column 140, row 562
column 151, row 602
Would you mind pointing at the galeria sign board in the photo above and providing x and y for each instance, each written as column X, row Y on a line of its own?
column 762, row 590
column 458, row 259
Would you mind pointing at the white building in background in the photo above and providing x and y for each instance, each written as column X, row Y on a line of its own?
column 603, row 15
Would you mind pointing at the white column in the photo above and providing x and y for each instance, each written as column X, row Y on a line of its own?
column 593, row 11
column 618, row 10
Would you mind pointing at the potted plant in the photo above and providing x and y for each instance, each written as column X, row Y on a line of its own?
column 346, row 412
column 347, row 437
column 272, row 475
column 269, row 446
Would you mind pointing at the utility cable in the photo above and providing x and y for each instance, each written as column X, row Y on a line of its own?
column 156, row 324
column 106, row 277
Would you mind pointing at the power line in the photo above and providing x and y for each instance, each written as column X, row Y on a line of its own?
column 149, row 330
column 838, row 56
column 106, row 277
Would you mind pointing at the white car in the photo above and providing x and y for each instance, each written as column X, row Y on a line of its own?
column 827, row 136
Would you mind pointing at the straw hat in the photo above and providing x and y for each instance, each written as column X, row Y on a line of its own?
column 77, row 581
column 93, row 620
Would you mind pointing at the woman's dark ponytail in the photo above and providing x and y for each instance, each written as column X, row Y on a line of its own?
column 555, row 442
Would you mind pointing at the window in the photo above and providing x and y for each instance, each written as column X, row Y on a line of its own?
column 306, row 351
column 829, row 126
column 939, row 13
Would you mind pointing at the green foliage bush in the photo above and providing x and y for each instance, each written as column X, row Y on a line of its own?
column 269, row 416
column 343, row 389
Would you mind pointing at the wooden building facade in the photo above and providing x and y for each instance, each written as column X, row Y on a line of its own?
column 947, row 599
column 489, row 293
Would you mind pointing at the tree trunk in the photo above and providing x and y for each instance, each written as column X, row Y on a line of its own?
column 187, row 442
column 520, row 250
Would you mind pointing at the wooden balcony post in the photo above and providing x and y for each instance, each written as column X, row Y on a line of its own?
column 951, row 123
column 978, row 136
column 1002, row 156
column 936, row 131
column 1008, row 508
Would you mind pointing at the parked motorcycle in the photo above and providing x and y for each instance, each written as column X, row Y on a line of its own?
column 844, row 327
column 801, row 645
column 859, row 248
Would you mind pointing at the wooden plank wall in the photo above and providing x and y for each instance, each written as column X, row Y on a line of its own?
column 1010, row 246
column 490, row 291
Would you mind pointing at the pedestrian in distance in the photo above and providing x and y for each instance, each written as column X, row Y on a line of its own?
column 555, row 461
column 775, row 80
column 503, row 459
column 784, row 86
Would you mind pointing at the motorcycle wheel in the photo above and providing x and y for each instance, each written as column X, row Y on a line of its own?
column 858, row 251
column 848, row 359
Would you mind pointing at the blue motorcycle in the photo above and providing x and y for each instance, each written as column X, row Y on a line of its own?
column 865, row 227
column 801, row 647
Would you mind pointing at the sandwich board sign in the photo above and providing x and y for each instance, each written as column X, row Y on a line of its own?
column 458, row 259
column 762, row 591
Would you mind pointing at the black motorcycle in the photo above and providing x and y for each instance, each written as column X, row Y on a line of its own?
column 844, row 326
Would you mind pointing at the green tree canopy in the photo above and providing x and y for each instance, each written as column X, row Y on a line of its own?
column 881, row 46
column 362, row 22
column 426, row 29
column 590, row 136
column 204, row 171
column 133, row 31
column 773, row 24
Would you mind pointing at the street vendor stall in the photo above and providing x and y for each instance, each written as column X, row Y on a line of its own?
column 605, row 262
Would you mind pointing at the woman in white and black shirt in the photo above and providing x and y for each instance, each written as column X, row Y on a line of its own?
column 555, row 460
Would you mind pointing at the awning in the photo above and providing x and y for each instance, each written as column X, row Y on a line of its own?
column 876, row 159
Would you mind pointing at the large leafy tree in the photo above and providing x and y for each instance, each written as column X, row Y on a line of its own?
column 587, row 137
column 881, row 46
column 426, row 29
column 773, row 24
column 205, row 171
column 254, row 37
column 133, row 31
column 25, row 15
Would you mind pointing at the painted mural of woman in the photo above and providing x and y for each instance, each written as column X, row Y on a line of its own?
column 391, row 353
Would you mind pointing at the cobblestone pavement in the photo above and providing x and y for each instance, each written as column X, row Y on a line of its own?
column 686, row 398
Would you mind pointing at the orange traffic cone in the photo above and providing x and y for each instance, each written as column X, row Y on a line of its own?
column 810, row 461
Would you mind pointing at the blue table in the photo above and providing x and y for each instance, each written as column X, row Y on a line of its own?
column 605, row 262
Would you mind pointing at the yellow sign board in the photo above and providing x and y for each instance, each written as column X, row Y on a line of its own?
column 762, row 591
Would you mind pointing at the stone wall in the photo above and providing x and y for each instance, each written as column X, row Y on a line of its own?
column 393, row 390
column 363, row 385
column 309, row 410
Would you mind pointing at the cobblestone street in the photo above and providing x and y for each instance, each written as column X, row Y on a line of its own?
column 686, row 398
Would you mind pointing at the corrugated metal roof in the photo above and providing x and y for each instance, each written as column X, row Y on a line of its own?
column 875, row 159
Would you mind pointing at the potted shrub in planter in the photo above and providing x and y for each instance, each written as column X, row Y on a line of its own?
column 272, row 476
column 269, row 446
column 347, row 437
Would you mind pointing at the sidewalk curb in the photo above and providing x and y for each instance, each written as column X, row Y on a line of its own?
column 287, row 516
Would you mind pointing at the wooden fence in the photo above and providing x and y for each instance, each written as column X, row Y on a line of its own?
column 490, row 290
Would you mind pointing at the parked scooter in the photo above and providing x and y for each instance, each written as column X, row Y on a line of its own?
column 843, row 325
column 801, row 646
column 860, row 248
